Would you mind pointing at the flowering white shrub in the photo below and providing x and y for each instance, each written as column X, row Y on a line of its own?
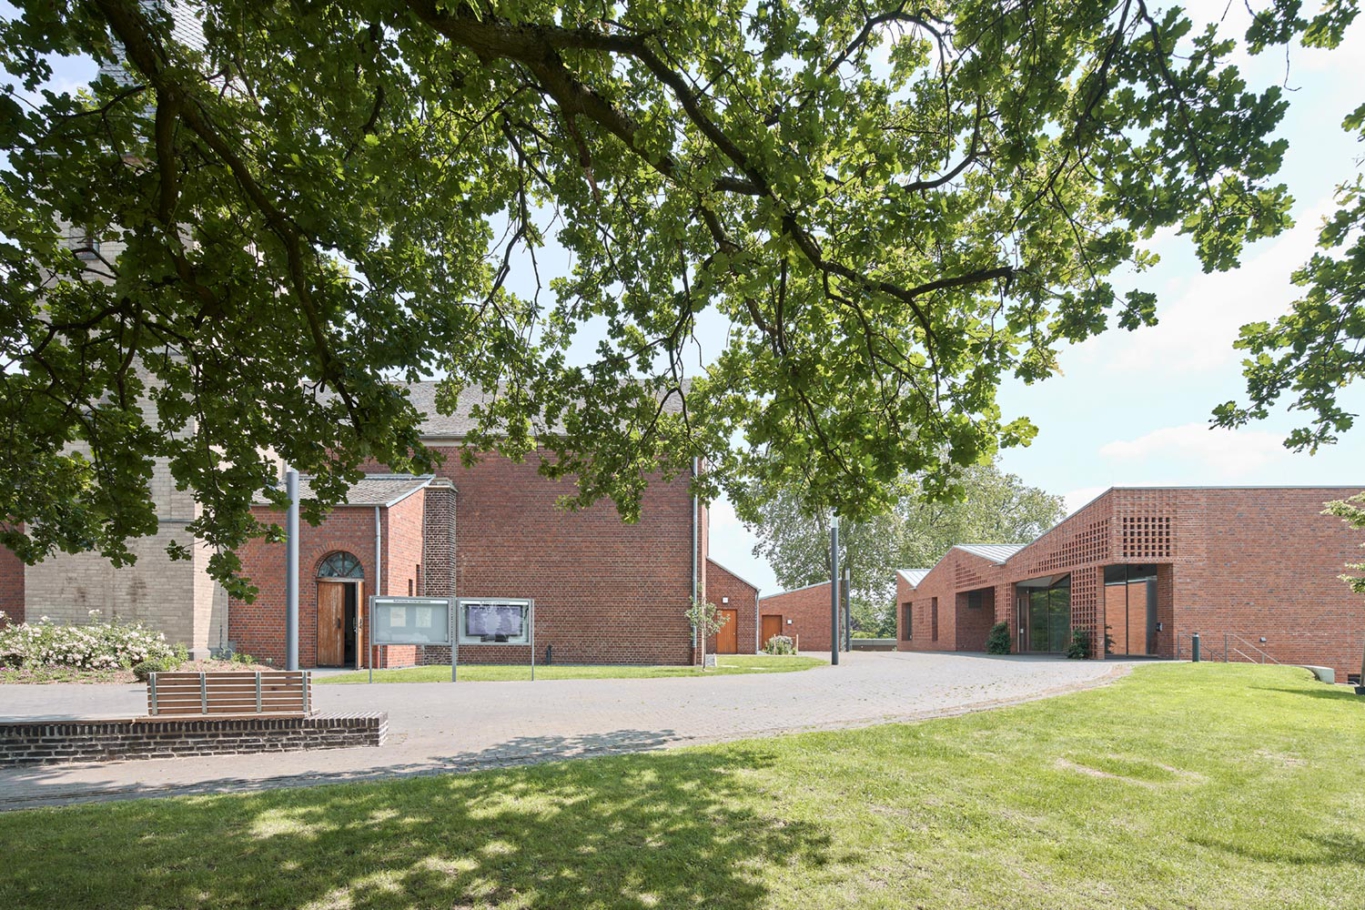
column 780, row 644
column 94, row 647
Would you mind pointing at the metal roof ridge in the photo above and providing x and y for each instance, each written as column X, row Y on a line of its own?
column 978, row 550
column 794, row 590
column 908, row 575
column 426, row 480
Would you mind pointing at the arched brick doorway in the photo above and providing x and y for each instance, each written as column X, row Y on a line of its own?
column 341, row 589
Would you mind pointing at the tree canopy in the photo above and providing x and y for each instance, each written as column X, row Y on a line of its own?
column 893, row 204
column 994, row 507
column 1311, row 353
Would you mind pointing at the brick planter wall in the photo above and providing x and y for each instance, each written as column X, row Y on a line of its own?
column 62, row 742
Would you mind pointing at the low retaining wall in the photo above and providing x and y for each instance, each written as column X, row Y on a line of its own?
column 47, row 742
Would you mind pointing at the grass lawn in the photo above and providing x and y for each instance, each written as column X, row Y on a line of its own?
column 728, row 665
column 1181, row 786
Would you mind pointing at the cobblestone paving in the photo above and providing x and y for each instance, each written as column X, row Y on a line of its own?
column 440, row 727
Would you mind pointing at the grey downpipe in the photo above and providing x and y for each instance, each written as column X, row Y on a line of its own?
column 291, row 571
column 695, row 534
column 378, row 573
column 834, row 590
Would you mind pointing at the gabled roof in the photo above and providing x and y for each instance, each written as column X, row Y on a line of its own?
column 913, row 576
column 732, row 572
column 374, row 490
column 794, row 590
column 457, row 425
column 997, row 553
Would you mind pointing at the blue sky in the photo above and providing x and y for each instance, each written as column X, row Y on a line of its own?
column 1133, row 408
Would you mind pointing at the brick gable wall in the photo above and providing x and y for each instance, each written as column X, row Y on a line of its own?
column 11, row 586
column 958, row 627
column 805, row 615
column 721, row 583
column 606, row 592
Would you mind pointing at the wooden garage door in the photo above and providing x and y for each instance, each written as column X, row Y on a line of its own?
column 727, row 639
column 772, row 625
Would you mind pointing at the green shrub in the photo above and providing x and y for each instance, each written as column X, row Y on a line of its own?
column 780, row 644
column 998, row 641
column 101, row 646
column 148, row 667
column 1079, row 649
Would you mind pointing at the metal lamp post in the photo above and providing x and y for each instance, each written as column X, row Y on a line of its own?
column 848, row 608
column 834, row 590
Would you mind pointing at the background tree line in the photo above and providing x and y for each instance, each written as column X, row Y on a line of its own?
column 988, row 506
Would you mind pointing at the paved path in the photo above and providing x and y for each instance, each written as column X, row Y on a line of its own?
column 436, row 727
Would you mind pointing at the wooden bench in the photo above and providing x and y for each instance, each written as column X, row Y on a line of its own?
column 278, row 693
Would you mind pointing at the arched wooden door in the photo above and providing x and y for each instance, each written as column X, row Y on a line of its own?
column 341, row 591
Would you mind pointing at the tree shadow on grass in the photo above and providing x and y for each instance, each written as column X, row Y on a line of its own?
column 529, row 750
column 667, row 830
column 1332, row 693
column 1329, row 849
column 33, row 786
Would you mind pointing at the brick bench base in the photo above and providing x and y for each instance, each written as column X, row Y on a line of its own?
column 45, row 742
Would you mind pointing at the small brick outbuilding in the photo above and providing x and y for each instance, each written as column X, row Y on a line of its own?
column 737, row 601
column 802, row 614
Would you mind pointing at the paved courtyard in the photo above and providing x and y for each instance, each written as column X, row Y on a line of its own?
column 436, row 727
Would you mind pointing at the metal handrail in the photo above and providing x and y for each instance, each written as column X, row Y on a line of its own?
column 1261, row 656
column 1265, row 655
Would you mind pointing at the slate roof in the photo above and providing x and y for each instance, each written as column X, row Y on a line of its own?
column 460, row 424
column 914, row 576
column 997, row 553
column 374, row 490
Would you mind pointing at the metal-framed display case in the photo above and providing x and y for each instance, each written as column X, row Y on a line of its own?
column 497, row 621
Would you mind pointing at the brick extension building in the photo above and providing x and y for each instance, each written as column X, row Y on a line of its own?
column 1253, row 570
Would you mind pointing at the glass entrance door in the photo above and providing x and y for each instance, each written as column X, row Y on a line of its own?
column 1130, row 610
column 1045, row 614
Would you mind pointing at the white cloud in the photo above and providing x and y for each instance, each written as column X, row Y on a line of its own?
column 732, row 545
column 1206, row 312
column 723, row 516
column 1224, row 453
column 1075, row 499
